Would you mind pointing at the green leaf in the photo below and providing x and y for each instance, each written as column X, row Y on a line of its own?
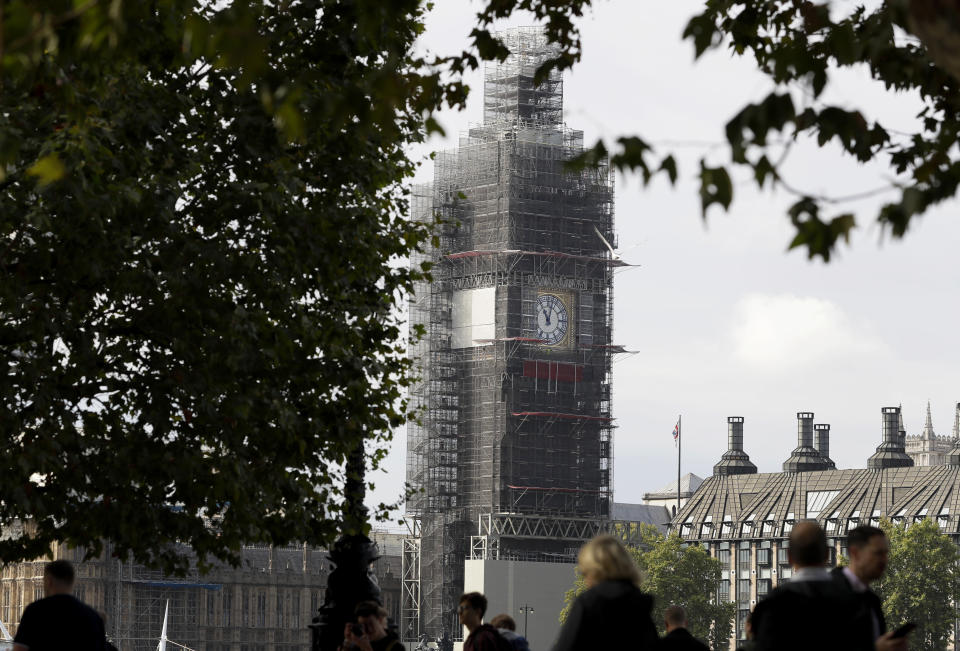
column 715, row 187
column 48, row 169
column 669, row 165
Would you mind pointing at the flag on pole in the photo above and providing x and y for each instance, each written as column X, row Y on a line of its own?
column 676, row 432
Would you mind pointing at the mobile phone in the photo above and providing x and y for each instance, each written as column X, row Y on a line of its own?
column 903, row 630
column 357, row 630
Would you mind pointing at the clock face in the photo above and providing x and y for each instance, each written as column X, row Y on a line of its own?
column 552, row 320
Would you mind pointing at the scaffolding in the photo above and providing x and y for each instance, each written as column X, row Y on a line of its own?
column 512, row 420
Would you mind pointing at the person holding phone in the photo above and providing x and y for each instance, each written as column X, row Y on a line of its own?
column 369, row 632
column 869, row 553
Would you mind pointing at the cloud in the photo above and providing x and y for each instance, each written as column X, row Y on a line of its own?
column 780, row 331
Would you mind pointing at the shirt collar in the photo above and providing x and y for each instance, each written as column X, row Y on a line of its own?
column 855, row 582
column 811, row 574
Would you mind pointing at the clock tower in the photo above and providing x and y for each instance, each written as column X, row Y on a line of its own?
column 515, row 359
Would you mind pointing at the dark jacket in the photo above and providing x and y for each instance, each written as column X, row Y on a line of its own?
column 869, row 602
column 517, row 641
column 612, row 615
column 804, row 615
column 389, row 642
column 680, row 639
column 486, row 638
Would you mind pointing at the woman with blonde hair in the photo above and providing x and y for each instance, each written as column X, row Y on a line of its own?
column 613, row 613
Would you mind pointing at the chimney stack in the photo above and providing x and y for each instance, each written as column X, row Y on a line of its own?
column 821, row 441
column 805, row 457
column 734, row 461
column 890, row 453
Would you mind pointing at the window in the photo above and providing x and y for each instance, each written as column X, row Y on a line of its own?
column 763, row 587
column 726, row 527
column 211, row 613
column 743, row 591
column 261, row 609
column 295, row 610
column 742, row 623
column 818, row 500
column 743, row 558
column 763, row 557
column 279, row 610
column 245, row 608
column 724, row 590
column 227, row 609
column 783, row 555
column 723, row 555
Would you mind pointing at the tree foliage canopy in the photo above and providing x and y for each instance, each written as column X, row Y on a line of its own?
column 910, row 46
column 921, row 583
column 201, row 210
column 200, row 202
column 676, row 574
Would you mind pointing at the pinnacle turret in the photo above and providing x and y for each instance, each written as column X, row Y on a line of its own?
column 928, row 432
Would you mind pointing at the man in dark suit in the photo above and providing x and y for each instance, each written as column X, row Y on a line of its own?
column 811, row 611
column 869, row 553
column 678, row 638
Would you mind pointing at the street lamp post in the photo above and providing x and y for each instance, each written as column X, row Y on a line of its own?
column 526, row 609
column 352, row 579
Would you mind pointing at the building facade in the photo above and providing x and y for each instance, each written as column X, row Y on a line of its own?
column 265, row 604
column 744, row 518
column 515, row 352
column 929, row 448
column 667, row 496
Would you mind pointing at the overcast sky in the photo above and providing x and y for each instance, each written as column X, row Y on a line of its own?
column 721, row 319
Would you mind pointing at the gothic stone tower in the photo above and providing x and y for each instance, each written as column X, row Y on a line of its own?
column 515, row 359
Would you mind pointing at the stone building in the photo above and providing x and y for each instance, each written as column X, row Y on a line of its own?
column 265, row 604
column 667, row 496
column 744, row 517
column 928, row 448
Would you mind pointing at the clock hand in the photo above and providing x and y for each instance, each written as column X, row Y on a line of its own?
column 546, row 317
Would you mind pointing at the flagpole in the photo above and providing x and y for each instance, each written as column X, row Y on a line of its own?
column 679, row 446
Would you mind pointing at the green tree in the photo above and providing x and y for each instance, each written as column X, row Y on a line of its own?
column 201, row 210
column 685, row 575
column 675, row 573
column 921, row 583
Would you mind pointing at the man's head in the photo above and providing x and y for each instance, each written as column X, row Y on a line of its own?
column 58, row 578
column 504, row 620
column 471, row 609
column 675, row 617
column 808, row 545
column 869, row 552
column 372, row 618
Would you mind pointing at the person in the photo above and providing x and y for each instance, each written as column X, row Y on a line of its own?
column 613, row 613
column 482, row 637
column 810, row 611
column 59, row 620
column 869, row 553
column 678, row 638
column 508, row 630
column 369, row 632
